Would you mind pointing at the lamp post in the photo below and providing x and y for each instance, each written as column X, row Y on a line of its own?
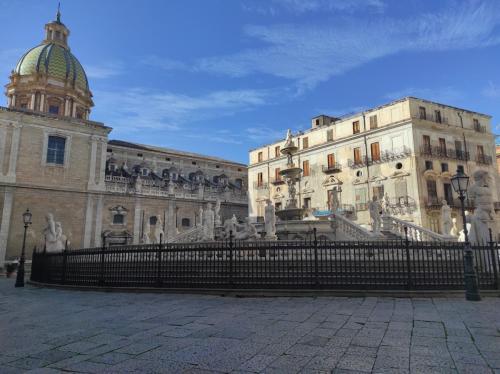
column 20, row 271
column 460, row 182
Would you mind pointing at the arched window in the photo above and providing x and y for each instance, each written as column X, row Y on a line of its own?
column 186, row 222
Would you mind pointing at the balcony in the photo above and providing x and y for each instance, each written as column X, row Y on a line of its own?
column 479, row 128
column 330, row 169
column 442, row 152
column 277, row 181
column 260, row 186
column 483, row 159
column 434, row 118
column 385, row 156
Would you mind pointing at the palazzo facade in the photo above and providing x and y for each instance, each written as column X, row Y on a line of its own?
column 54, row 159
column 404, row 152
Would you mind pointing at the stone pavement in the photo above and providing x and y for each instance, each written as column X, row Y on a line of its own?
column 49, row 331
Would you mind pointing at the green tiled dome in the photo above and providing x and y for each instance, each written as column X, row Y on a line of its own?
column 55, row 61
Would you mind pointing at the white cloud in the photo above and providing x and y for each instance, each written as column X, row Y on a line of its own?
column 311, row 54
column 138, row 109
column 104, row 71
column 274, row 7
column 492, row 91
column 163, row 63
column 447, row 95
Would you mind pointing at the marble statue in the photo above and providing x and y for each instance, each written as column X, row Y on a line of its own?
column 386, row 205
column 288, row 140
column 446, row 222
column 454, row 229
column 53, row 236
column 246, row 231
column 158, row 232
column 208, row 223
column 334, row 203
column 170, row 187
column 146, row 234
column 200, row 216
column 230, row 225
column 481, row 195
column 138, row 184
column 218, row 221
column 270, row 220
column 375, row 209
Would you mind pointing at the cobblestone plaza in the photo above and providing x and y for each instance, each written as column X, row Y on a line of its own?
column 50, row 330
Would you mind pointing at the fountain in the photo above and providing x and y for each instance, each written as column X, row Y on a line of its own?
column 291, row 175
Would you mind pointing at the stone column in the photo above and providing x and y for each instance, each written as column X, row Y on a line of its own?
column 5, row 223
column 93, row 151
column 171, row 232
column 73, row 113
column 137, row 222
column 88, row 222
column 9, row 101
column 14, row 149
column 98, row 222
column 32, row 101
column 42, row 102
column 13, row 102
column 66, row 107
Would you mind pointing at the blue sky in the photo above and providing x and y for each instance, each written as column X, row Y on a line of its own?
column 222, row 76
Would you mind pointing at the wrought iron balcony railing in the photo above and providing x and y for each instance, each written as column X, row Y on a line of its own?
column 444, row 152
column 384, row 156
column 276, row 181
column 479, row 128
column 334, row 168
column 483, row 159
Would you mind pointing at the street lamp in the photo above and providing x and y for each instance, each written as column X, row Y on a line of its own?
column 460, row 182
column 20, row 271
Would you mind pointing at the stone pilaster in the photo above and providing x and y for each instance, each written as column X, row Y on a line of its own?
column 42, row 102
column 88, row 222
column 93, row 152
column 5, row 223
column 98, row 222
column 32, row 101
column 137, row 222
column 102, row 167
column 14, row 149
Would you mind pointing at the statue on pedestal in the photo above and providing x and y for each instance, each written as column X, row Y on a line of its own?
column 138, row 184
column 218, row 221
column 146, row 233
column 170, row 187
column 270, row 220
column 333, row 202
column 480, row 193
column 446, row 222
column 454, row 229
column 208, row 223
column 375, row 210
column 386, row 205
column 54, row 240
column 246, row 231
column 159, row 234
column 230, row 225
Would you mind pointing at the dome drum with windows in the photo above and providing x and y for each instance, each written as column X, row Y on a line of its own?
column 49, row 78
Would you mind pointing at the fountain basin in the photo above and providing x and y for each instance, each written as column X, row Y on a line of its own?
column 293, row 172
column 292, row 214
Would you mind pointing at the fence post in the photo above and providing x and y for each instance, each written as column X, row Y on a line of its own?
column 231, row 280
column 316, row 271
column 101, row 273
column 494, row 257
column 408, row 261
column 158, row 258
column 65, row 263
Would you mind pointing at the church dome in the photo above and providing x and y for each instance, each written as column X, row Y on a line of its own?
column 54, row 61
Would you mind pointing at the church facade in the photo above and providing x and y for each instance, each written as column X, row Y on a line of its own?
column 54, row 159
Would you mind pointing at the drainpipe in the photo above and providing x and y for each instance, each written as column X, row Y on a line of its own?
column 366, row 157
column 465, row 143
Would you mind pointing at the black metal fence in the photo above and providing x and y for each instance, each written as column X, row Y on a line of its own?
column 271, row 264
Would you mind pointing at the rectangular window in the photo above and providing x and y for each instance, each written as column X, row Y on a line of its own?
column 277, row 175
column 55, row 150
column 277, row 206
column 357, row 155
column 305, row 169
column 331, row 160
column 260, row 180
column 305, row 143
column 422, row 113
column 375, row 151
column 355, row 127
column 54, row 109
column 360, row 198
column 260, row 157
column 379, row 192
column 448, row 193
column 437, row 115
column 373, row 122
column 427, row 141
column 442, row 147
column 118, row 219
column 432, row 192
column 277, row 152
column 307, row 202
column 444, row 167
column 329, row 135
column 480, row 154
column 428, row 165
column 460, row 168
